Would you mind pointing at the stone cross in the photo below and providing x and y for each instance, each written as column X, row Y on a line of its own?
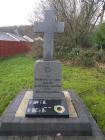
column 49, row 27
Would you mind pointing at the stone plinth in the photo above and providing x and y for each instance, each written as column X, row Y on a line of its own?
column 47, row 79
column 15, row 123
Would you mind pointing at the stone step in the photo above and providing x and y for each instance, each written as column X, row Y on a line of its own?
column 51, row 138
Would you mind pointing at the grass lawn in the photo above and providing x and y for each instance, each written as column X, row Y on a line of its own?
column 16, row 73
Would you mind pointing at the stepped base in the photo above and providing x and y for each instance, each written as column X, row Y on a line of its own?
column 79, row 123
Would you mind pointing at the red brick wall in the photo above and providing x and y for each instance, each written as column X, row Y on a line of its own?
column 9, row 48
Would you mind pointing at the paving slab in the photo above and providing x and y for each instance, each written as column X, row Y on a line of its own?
column 51, row 138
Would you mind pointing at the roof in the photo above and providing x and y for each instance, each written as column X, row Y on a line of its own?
column 39, row 39
column 28, row 38
column 12, row 37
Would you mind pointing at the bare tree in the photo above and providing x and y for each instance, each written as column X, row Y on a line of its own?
column 38, row 14
column 102, row 13
column 80, row 18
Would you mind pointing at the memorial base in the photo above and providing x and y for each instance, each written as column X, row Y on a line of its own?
column 79, row 123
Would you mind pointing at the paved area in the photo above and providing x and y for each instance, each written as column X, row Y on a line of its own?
column 51, row 138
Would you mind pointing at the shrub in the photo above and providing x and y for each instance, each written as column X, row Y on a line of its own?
column 87, row 58
column 99, row 36
column 84, row 57
column 36, row 50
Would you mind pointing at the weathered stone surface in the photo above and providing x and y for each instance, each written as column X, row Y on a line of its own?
column 47, row 79
column 44, row 137
column 83, row 125
column 48, row 72
column 49, row 27
column 23, row 105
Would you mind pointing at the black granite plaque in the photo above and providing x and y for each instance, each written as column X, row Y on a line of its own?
column 47, row 108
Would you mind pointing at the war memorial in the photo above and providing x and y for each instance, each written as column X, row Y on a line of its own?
column 47, row 111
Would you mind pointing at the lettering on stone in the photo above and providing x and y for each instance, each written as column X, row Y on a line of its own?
column 48, row 107
column 48, row 71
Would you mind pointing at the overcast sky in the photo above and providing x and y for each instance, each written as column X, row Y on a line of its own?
column 16, row 12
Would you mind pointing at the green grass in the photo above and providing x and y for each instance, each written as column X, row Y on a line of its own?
column 17, row 73
column 89, row 84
